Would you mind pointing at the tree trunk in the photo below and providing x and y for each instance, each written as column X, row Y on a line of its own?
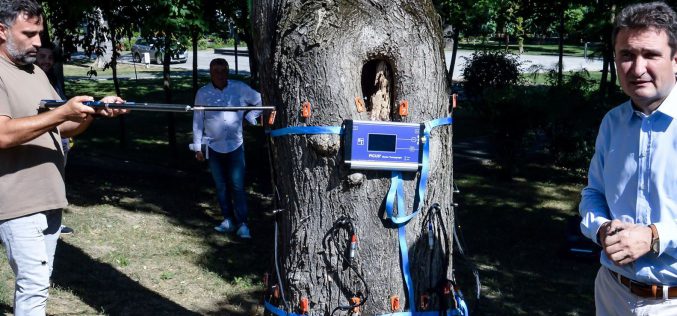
column 612, row 66
column 194, row 38
column 171, row 125
column 116, row 82
column 328, row 53
column 560, row 64
column 608, row 68
column 452, row 63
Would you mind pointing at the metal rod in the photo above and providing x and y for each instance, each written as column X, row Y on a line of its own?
column 157, row 107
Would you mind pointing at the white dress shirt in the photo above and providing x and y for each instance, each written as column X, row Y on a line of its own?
column 222, row 130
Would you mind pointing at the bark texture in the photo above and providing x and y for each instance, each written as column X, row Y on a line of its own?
column 334, row 53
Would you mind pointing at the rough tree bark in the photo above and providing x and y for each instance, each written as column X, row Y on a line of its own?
column 330, row 53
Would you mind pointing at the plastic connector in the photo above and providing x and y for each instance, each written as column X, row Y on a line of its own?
column 424, row 302
column 271, row 118
column 304, row 306
column 276, row 292
column 394, row 303
column 359, row 103
column 404, row 108
column 355, row 303
column 305, row 109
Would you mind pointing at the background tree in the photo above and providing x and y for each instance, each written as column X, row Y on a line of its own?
column 169, row 21
column 106, row 24
column 330, row 53
column 234, row 15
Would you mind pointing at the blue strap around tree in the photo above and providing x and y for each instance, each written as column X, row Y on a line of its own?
column 299, row 130
column 277, row 311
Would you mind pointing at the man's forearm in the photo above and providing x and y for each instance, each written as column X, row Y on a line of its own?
column 71, row 129
column 14, row 132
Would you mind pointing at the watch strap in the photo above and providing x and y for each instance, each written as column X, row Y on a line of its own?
column 655, row 241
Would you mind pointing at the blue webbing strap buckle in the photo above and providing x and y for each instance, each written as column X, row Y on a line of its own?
column 396, row 192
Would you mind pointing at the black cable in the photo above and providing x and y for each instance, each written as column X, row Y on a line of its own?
column 345, row 222
column 459, row 241
column 433, row 210
column 277, row 267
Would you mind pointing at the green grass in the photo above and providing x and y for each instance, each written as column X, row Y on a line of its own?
column 81, row 68
column 540, row 78
column 515, row 232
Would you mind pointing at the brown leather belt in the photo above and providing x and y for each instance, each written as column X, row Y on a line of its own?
column 644, row 290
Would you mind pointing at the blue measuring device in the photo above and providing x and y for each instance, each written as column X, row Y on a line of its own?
column 379, row 145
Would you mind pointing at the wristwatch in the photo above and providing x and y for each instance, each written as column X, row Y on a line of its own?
column 655, row 241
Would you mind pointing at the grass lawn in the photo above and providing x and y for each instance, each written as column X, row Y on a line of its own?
column 515, row 231
column 144, row 242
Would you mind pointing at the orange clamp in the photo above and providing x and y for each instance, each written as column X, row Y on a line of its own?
column 359, row 103
column 305, row 109
column 355, row 302
column 404, row 108
column 394, row 303
column 453, row 100
column 425, row 301
column 304, row 305
column 271, row 118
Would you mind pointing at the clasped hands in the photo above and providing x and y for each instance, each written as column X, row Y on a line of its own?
column 623, row 242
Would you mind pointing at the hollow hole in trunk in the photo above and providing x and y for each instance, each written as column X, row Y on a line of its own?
column 377, row 87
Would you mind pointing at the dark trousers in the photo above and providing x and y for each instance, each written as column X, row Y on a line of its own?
column 228, row 171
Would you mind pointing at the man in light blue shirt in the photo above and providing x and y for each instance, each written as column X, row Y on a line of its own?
column 629, row 206
column 221, row 131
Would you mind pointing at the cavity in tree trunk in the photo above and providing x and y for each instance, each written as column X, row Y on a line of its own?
column 332, row 54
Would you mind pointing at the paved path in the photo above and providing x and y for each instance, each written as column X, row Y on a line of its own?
column 541, row 61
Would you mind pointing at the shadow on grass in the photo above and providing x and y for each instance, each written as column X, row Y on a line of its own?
column 247, row 305
column 104, row 288
column 181, row 190
column 515, row 232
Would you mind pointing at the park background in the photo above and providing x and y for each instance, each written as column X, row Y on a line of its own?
column 143, row 209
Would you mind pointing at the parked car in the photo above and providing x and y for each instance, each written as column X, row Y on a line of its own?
column 143, row 45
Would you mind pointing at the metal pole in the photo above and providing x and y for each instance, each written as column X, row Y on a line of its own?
column 585, row 51
column 157, row 107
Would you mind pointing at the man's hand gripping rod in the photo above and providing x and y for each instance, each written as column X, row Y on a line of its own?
column 156, row 107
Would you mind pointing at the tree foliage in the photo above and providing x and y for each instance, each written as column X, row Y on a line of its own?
column 490, row 69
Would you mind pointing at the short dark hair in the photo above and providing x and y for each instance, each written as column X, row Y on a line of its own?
column 220, row 62
column 657, row 15
column 11, row 9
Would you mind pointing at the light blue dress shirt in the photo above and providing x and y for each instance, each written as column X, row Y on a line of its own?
column 633, row 178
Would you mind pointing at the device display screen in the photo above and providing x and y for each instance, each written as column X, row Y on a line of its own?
column 382, row 142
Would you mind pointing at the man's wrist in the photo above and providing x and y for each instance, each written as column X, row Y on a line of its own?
column 655, row 240
column 602, row 228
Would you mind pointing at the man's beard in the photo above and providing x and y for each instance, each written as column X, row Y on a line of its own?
column 19, row 56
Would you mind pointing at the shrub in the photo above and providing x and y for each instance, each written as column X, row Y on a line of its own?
column 491, row 84
column 573, row 115
column 490, row 70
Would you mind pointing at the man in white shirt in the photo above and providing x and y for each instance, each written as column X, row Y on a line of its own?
column 221, row 132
